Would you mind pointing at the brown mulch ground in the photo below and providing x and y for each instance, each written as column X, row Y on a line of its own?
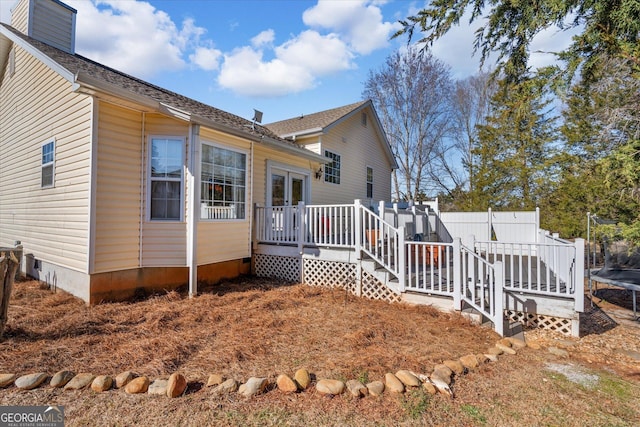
column 256, row 327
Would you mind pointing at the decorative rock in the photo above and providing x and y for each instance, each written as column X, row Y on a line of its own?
column 215, row 379
column 228, row 386
column 80, row 381
column 6, row 380
column 491, row 357
column 286, row 384
column 442, row 387
column 455, row 365
column 534, row 345
column 102, row 383
column 495, row 351
column 443, row 372
column 505, row 349
column 482, row 359
column 407, row 378
column 392, row 383
column 137, row 385
column 555, row 351
column 469, row 361
column 303, row 378
column 517, row 343
column 357, row 389
column 376, row 388
column 429, row 387
column 253, row 386
column 505, row 341
column 176, row 385
column 31, row 381
column 158, row 387
column 61, row 378
column 330, row 387
column 123, row 378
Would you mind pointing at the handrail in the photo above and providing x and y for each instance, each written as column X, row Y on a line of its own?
column 482, row 286
column 383, row 242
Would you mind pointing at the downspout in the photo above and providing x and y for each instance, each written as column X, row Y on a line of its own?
column 142, row 192
column 250, row 214
column 192, row 197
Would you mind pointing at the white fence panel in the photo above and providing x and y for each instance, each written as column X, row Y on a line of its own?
column 515, row 226
column 463, row 224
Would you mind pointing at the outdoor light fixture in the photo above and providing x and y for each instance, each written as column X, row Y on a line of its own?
column 319, row 173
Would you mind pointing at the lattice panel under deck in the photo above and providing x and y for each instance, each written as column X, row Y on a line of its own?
column 278, row 267
column 330, row 274
column 373, row 289
column 540, row 321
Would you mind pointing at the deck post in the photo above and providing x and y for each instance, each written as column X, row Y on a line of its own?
column 498, row 298
column 457, row 274
column 358, row 232
column 400, row 250
column 302, row 226
column 578, row 290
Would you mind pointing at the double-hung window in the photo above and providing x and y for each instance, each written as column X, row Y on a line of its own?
column 223, row 178
column 166, row 178
column 369, row 182
column 48, row 163
column 332, row 169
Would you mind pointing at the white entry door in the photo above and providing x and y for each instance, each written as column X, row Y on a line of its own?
column 287, row 189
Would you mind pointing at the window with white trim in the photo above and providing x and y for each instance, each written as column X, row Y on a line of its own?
column 48, row 160
column 166, row 178
column 223, row 180
column 332, row 170
column 363, row 119
column 369, row 183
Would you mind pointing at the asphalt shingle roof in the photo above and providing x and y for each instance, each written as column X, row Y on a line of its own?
column 317, row 120
column 75, row 63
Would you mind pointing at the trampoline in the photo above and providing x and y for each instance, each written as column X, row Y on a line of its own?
column 613, row 275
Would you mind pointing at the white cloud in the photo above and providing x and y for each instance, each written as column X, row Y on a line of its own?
column 246, row 72
column 360, row 23
column 205, row 58
column 264, row 38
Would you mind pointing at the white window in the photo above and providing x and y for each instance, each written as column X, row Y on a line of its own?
column 332, row 170
column 223, row 178
column 166, row 178
column 369, row 183
column 48, row 161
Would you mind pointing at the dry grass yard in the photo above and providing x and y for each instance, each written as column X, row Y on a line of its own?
column 254, row 327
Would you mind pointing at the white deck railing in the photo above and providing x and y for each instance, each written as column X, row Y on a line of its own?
column 548, row 266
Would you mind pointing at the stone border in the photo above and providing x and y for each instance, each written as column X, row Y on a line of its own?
column 439, row 381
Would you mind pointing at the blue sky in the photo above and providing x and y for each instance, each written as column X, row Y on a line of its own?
column 283, row 57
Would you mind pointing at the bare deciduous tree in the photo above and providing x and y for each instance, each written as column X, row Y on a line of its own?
column 411, row 93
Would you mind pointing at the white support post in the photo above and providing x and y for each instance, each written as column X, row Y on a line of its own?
column 578, row 291
column 457, row 274
column 498, row 298
column 395, row 215
column 302, row 226
column 381, row 209
column 358, row 227
column 489, row 224
column 400, row 250
column 193, row 195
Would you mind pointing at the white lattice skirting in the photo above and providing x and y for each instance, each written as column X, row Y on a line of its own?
column 335, row 274
column 540, row 321
column 277, row 267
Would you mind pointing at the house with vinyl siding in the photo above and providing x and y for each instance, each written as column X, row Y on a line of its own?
column 115, row 186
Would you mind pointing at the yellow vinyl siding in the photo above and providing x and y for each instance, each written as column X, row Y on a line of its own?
column 118, row 188
column 38, row 105
column 19, row 16
column 360, row 148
